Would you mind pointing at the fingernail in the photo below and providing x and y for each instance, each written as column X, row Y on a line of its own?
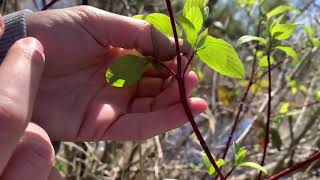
column 33, row 43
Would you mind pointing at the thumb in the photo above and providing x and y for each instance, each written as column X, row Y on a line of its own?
column 20, row 75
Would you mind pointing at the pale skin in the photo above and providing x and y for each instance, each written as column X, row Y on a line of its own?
column 56, row 80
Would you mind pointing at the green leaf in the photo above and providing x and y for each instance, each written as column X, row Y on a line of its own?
column 248, row 38
column 278, row 10
column 293, row 84
column 263, row 62
column 207, row 163
column 194, row 3
column 200, row 73
column 126, row 71
column 194, row 15
column 160, row 21
column 276, row 139
column 303, row 88
column 310, row 32
column 316, row 42
column 189, row 31
column 284, row 108
column 289, row 51
column 254, row 165
column 220, row 56
column 318, row 95
column 240, row 154
column 206, row 12
column 283, row 31
column 202, row 38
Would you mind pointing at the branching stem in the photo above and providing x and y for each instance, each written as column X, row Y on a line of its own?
column 183, row 97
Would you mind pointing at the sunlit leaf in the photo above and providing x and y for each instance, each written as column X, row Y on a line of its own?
column 309, row 30
column 289, row 51
column 263, row 62
column 318, row 95
column 126, row 71
column 240, row 154
column 303, row 88
column 316, row 42
column 207, row 163
column 194, row 15
column 200, row 73
column 160, row 21
column 221, row 57
column 254, row 165
column 248, row 38
column 194, row 3
column 278, row 10
column 202, row 38
column 284, row 108
column 189, row 31
column 283, row 31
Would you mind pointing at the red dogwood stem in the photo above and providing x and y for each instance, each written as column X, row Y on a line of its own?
column 183, row 97
column 296, row 167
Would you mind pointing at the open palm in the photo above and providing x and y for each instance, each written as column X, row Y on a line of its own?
column 75, row 103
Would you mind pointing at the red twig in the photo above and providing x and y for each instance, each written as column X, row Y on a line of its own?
column 267, row 130
column 244, row 97
column 183, row 97
column 296, row 167
column 49, row 5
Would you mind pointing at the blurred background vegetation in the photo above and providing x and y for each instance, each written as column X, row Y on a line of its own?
column 176, row 155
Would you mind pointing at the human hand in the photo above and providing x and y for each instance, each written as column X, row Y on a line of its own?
column 25, row 148
column 75, row 103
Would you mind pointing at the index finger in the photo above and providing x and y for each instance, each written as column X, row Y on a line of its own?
column 125, row 32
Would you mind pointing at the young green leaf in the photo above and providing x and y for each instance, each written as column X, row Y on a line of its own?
column 202, row 38
column 126, row 71
column 316, row 42
column 303, row 88
column 194, row 3
column 283, row 31
column 240, row 154
column 289, row 51
column 254, row 165
column 221, row 57
column 309, row 30
column 207, row 163
column 248, row 38
column 284, row 108
column 206, row 12
column 278, row 10
column 318, row 95
column 189, row 31
column 194, row 15
column 263, row 62
column 160, row 21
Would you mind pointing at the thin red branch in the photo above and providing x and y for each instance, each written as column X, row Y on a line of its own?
column 189, row 62
column 300, row 165
column 267, row 130
column 244, row 97
column 49, row 5
column 183, row 96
